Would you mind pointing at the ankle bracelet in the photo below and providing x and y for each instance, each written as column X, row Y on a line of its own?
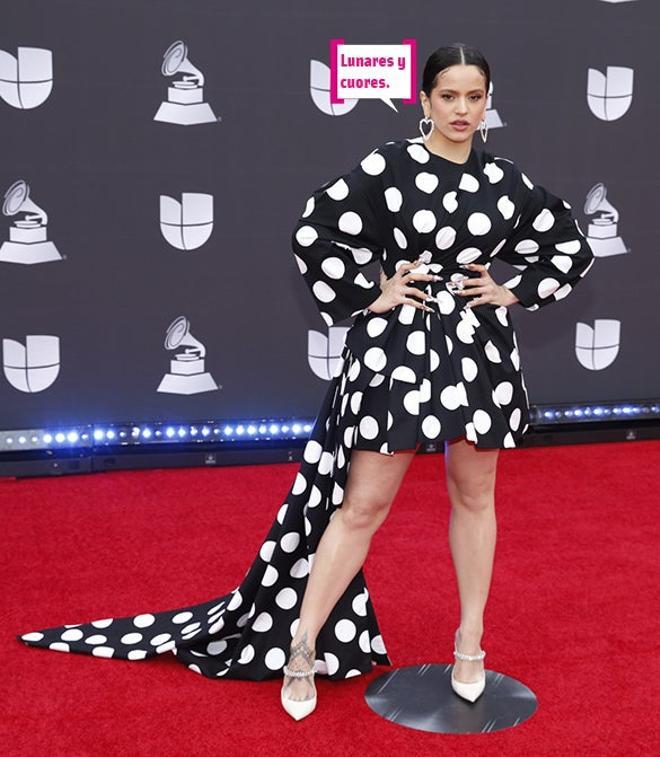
column 297, row 673
column 462, row 656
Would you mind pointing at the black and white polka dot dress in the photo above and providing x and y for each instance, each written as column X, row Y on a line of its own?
column 405, row 376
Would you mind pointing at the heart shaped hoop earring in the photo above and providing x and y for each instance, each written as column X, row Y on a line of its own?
column 425, row 122
column 484, row 135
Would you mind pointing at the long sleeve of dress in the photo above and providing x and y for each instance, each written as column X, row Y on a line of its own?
column 337, row 235
column 547, row 246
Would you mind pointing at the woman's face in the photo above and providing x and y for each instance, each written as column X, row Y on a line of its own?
column 459, row 94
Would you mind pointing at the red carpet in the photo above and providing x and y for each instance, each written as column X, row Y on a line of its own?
column 572, row 611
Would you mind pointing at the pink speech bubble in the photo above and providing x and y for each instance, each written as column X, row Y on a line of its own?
column 372, row 72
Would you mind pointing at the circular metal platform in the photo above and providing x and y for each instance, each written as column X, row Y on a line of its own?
column 421, row 697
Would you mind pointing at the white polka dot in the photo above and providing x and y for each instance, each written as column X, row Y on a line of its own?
column 478, row 224
column 469, row 368
column 481, row 420
column 468, row 183
column 306, row 236
column 431, row 426
column 312, row 451
column 339, row 190
column 411, row 401
column 263, row 622
column 363, row 642
column 247, row 654
column 377, row 645
column 299, row 484
column 504, row 392
column 445, row 238
column 426, row 182
column 275, row 658
column 375, row 359
column 450, row 397
column 368, row 427
column 400, row 238
column 373, row 164
column 182, row 617
column 569, row 248
column 159, row 639
column 236, row 601
column 136, row 654
column 514, row 420
column 393, row 199
column 73, row 634
column 494, row 173
column 446, row 302
column 103, row 651
column 544, row 220
column 492, row 353
column 418, row 153
column 216, row 647
column 59, row 646
column 270, row 576
column 102, row 623
column 424, row 221
column 360, row 604
column 345, row 630
column 315, row 496
column 506, row 207
column 468, row 255
column 217, row 626
column 547, row 286
column 376, row 326
column 286, row 598
column 98, row 638
column 131, row 638
column 143, row 621
column 266, row 551
column 449, row 202
column 350, row 222
column 289, row 542
column 526, row 247
column 301, row 567
column 32, row 636
column 332, row 662
column 323, row 292
column 404, row 373
column 416, row 342
column 333, row 267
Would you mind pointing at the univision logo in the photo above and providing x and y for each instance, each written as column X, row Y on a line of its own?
column 26, row 80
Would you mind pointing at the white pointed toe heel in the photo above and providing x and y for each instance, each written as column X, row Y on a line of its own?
column 470, row 691
column 298, row 709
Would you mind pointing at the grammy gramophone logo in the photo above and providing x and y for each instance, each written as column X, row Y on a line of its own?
column 26, row 80
column 188, row 224
column 602, row 233
column 185, row 96
column 187, row 374
column 28, row 242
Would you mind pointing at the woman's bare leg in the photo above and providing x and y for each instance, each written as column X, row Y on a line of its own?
column 470, row 480
column 371, row 485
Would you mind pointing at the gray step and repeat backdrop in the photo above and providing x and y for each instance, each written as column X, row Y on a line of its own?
column 146, row 271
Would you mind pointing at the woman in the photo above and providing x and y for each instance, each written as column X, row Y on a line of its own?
column 432, row 355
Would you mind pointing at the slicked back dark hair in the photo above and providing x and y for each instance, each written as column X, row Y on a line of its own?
column 450, row 55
